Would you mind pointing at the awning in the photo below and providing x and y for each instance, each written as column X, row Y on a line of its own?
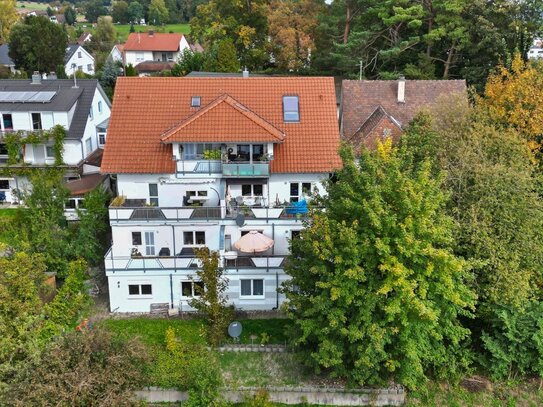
column 254, row 242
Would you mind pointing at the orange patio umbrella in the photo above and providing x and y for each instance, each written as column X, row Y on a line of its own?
column 254, row 242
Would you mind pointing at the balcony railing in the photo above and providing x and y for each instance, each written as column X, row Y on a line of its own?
column 114, row 262
column 234, row 169
column 151, row 214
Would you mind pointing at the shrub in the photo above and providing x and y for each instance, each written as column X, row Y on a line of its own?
column 514, row 342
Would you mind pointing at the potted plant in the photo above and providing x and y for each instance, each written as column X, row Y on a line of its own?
column 135, row 252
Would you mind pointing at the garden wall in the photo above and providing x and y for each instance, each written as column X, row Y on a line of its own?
column 394, row 396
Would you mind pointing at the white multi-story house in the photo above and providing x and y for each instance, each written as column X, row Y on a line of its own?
column 202, row 162
column 154, row 49
column 39, row 105
column 78, row 58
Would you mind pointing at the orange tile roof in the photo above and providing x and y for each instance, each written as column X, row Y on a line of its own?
column 155, row 42
column 224, row 120
column 145, row 108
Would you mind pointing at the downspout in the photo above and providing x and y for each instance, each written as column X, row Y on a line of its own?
column 171, row 291
column 276, row 290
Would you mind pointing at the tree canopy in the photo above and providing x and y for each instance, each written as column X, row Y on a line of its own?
column 38, row 44
column 8, row 18
column 376, row 291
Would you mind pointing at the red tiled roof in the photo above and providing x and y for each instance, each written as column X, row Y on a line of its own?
column 224, row 120
column 361, row 98
column 145, row 108
column 155, row 42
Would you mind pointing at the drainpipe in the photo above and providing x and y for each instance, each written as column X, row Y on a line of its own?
column 174, row 250
column 171, row 291
column 276, row 290
column 273, row 238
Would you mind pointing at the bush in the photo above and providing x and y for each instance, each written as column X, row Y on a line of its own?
column 514, row 342
column 88, row 368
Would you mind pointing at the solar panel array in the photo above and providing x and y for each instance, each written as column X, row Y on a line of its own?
column 26, row 97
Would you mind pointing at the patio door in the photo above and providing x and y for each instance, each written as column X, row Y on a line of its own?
column 149, row 243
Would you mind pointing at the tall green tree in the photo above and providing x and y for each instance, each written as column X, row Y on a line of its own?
column 376, row 291
column 222, row 57
column 95, row 9
column 38, row 44
column 135, row 12
column 245, row 23
column 119, row 12
column 70, row 15
column 158, row 13
column 189, row 61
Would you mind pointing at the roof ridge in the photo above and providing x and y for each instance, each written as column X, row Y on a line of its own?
column 248, row 113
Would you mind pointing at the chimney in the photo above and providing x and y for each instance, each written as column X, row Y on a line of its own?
column 245, row 72
column 401, row 89
column 36, row 78
column 151, row 33
column 53, row 76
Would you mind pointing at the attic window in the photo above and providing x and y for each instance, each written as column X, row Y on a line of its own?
column 291, row 112
column 195, row 101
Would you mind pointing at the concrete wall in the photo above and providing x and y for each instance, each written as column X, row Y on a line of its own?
column 285, row 395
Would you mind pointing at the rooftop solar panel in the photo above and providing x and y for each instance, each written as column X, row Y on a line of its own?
column 26, row 97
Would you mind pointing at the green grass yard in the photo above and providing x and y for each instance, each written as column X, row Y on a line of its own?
column 30, row 5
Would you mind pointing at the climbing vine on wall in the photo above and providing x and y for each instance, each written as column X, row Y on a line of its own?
column 15, row 141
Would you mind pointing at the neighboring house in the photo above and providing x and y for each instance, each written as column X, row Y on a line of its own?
column 84, row 38
column 151, row 46
column 78, row 59
column 5, row 60
column 535, row 53
column 202, row 162
column 38, row 105
column 375, row 110
column 116, row 54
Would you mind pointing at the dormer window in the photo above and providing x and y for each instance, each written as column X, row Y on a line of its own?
column 195, row 101
column 291, row 112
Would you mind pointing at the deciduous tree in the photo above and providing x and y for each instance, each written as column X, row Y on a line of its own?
column 38, row 44
column 135, row 12
column 8, row 18
column 376, row 291
column 158, row 13
column 119, row 12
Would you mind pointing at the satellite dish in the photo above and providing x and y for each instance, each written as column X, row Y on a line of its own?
column 240, row 220
column 234, row 330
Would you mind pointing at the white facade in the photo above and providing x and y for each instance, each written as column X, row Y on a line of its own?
column 75, row 150
column 81, row 60
column 151, row 260
column 135, row 57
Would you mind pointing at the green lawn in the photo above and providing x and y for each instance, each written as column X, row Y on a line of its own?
column 274, row 327
column 30, row 5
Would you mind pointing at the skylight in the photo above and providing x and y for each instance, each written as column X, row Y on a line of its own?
column 291, row 112
column 195, row 101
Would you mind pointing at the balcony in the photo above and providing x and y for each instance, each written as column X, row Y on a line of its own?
column 163, row 214
column 245, row 169
column 119, row 263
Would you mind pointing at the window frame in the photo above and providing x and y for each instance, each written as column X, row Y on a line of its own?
column 140, row 293
column 49, row 152
column 136, row 237
column 101, row 136
column 40, row 123
column 99, row 106
column 193, row 285
column 286, row 112
column 150, row 243
column 153, row 198
column 88, row 145
column 4, row 189
column 195, row 101
column 193, row 238
column 252, row 285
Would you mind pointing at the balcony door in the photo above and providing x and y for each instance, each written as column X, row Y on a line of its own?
column 149, row 243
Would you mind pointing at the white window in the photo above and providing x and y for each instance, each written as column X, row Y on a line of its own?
column 252, row 190
column 194, row 238
column 99, row 104
column 299, row 190
column 139, row 56
column 195, row 101
column 253, row 288
column 153, row 194
column 80, row 68
column 136, row 238
column 79, row 54
column 101, row 138
column 149, row 243
column 36, row 121
column 91, row 113
column 49, row 152
column 140, row 289
column 88, row 145
column 191, row 288
column 89, row 67
column 291, row 112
